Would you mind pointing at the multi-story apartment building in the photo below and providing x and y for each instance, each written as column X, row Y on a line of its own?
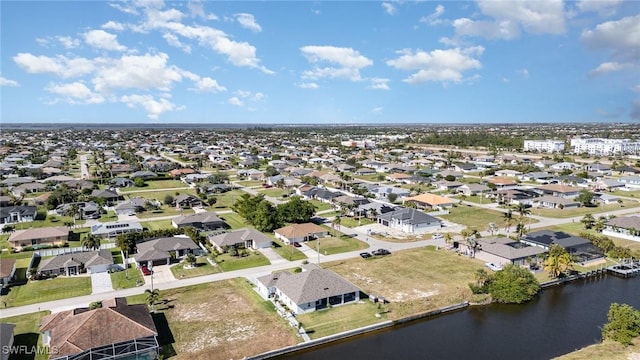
column 600, row 146
column 549, row 146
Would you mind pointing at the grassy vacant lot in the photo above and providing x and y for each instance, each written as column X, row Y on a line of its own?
column 606, row 350
column 126, row 279
column 227, row 199
column 414, row 281
column 222, row 320
column 46, row 290
column 156, row 185
column 473, row 217
column 109, row 216
column 334, row 245
column 160, row 194
column 249, row 183
column 340, row 318
column 288, row 252
column 234, row 220
column 27, row 333
column 156, row 225
column 567, row 213
column 227, row 262
column 203, row 268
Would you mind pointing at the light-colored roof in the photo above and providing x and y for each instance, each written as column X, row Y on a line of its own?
column 203, row 217
column 626, row 222
column 158, row 249
column 39, row 233
column 559, row 188
column 88, row 258
column 430, row 199
column 504, row 248
column 6, row 267
column 239, row 236
column 300, row 230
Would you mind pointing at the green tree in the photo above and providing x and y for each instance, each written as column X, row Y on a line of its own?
column 508, row 219
column 168, row 199
column 139, row 182
column 90, row 242
column 191, row 259
column 623, row 324
column 558, row 261
column 296, row 210
column 513, row 284
column 589, row 221
column 392, row 197
column 585, row 198
column 152, row 298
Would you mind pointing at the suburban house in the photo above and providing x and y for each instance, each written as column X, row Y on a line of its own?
column 161, row 251
column 626, row 227
column 445, row 185
column 310, row 290
column 57, row 235
column 17, row 214
column 631, row 183
column 508, row 173
column 430, row 201
column 114, row 331
column 76, row 263
column 7, row 271
column 559, row 190
column 503, row 182
column 609, row 185
column 582, row 249
column 115, row 228
column 502, row 251
column 300, row 232
column 6, row 340
column 202, row 221
column 134, row 205
column 554, row 202
column 474, row 189
column 110, row 196
column 246, row 238
column 186, row 201
column 409, row 220
column 122, row 182
column 383, row 192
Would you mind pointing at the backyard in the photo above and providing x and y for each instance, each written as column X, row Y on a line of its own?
column 27, row 333
column 341, row 318
column 222, row 320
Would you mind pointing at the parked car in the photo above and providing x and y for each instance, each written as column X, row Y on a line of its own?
column 437, row 236
column 297, row 244
column 145, row 270
column 493, row 267
column 381, row 252
column 365, row 255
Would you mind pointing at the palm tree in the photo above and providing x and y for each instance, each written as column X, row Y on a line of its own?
column 558, row 261
column 90, row 242
column 524, row 212
column 448, row 238
column 336, row 221
column 152, row 298
column 589, row 221
column 508, row 218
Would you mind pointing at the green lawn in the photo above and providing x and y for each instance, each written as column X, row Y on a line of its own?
column 227, row 199
column 109, row 216
column 27, row 333
column 340, row 318
column 46, row 290
column 321, row 206
column 164, row 210
column 203, row 268
column 156, row 185
column 126, row 279
column 234, row 220
column 566, row 213
column 474, row 199
column 352, row 222
column 249, row 183
column 230, row 263
column 473, row 217
column 160, row 194
column 334, row 245
column 274, row 192
column 156, row 225
column 288, row 252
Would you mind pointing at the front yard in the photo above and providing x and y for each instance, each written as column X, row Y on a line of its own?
column 288, row 252
column 203, row 267
column 226, row 262
column 46, row 290
column 335, row 245
column 125, row 279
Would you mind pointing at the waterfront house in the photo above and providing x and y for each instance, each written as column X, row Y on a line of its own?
column 409, row 220
column 57, row 235
column 247, row 238
column 300, row 232
column 626, row 227
column 202, row 221
column 582, row 249
column 75, row 263
column 502, row 250
column 161, row 251
column 310, row 290
column 114, row 331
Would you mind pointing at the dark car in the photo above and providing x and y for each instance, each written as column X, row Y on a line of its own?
column 365, row 255
column 145, row 270
column 297, row 244
column 381, row 252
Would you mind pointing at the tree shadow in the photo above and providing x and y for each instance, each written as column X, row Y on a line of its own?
column 165, row 336
column 29, row 341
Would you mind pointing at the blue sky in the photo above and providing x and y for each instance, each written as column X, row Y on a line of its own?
column 320, row 62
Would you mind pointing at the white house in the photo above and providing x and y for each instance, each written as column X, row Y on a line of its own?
column 409, row 220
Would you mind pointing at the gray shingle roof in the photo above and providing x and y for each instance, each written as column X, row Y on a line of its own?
column 158, row 249
column 626, row 222
column 409, row 216
column 88, row 258
column 239, row 236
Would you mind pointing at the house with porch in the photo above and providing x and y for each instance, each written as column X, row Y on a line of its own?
column 310, row 290
column 79, row 262
column 626, row 227
column 502, row 251
column 247, row 238
column 115, row 331
column 161, row 251
column 55, row 235
column 410, row 221
column 554, row 202
column 300, row 232
column 17, row 214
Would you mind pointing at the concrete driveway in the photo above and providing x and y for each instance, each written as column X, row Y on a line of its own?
column 161, row 274
column 272, row 255
column 101, row 283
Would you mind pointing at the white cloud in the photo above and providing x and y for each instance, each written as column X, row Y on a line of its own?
column 207, row 84
column 602, row 7
column 621, row 39
column 112, row 25
column 438, row 65
column 103, row 40
column 68, row 42
column 507, row 18
column 389, row 8
column 235, row 101
column 175, row 42
column 149, row 71
column 378, row 84
column 60, row 65
column 152, row 106
column 75, row 93
column 248, row 21
column 127, row 8
column 349, row 60
column 377, row 110
column 8, row 83
column 434, row 18
column 308, row 85
column 43, row 42
column 524, row 73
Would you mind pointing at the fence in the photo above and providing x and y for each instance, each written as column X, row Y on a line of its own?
column 69, row 250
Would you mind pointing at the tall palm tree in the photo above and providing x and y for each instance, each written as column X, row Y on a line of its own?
column 152, row 298
column 508, row 219
column 90, row 242
column 558, row 261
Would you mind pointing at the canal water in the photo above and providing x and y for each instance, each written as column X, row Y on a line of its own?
column 561, row 319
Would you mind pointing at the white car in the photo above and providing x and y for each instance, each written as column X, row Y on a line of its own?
column 437, row 236
column 494, row 267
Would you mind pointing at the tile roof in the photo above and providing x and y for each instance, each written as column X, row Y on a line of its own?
column 39, row 233
column 430, row 199
column 239, row 236
column 300, row 230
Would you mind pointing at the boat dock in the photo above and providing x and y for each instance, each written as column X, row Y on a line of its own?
column 627, row 268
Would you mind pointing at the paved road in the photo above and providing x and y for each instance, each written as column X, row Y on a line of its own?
column 84, row 168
